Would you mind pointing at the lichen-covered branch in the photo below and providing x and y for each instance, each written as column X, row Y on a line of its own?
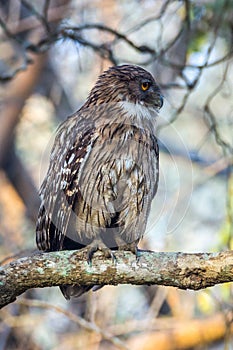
column 185, row 271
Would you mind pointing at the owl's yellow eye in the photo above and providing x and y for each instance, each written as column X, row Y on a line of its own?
column 145, row 85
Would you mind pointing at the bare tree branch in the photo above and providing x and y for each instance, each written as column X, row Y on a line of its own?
column 185, row 271
column 89, row 326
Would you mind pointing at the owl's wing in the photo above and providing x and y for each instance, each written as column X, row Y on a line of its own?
column 137, row 186
column 59, row 189
column 155, row 150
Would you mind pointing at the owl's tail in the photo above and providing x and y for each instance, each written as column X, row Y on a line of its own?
column 75, row 291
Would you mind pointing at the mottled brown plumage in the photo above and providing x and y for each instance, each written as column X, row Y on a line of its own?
column 103, row 171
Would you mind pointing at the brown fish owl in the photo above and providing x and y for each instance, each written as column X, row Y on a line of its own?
column 103, row 171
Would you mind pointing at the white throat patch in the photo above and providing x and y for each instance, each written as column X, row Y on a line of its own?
column 139, row 110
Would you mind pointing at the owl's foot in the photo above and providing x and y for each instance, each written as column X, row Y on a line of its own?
column 94, row 246
column 131, row 247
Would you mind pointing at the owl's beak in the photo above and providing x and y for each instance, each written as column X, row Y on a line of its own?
column 159, row 101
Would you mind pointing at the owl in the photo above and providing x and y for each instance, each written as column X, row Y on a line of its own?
column 104, row 170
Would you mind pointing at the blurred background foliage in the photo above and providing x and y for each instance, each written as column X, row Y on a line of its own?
column 51, row 52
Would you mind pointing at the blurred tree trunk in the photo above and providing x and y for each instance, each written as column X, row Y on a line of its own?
column 17, row 91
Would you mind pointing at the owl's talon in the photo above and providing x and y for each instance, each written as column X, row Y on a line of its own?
column 131, row 247
column 137, row 253
column 108, row 254
column 114, row 259
column 99, row 245
column 91, row 249
column 123, row 247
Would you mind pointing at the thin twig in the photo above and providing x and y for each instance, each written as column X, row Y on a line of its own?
column 90, row 326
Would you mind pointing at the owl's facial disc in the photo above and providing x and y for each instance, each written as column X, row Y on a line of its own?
column 148, row 93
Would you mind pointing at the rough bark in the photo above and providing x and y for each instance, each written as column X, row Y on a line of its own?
column 181, row 270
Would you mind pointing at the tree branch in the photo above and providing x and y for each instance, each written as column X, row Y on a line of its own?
column 185, row 271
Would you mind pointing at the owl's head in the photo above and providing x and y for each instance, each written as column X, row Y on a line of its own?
column 127, row 83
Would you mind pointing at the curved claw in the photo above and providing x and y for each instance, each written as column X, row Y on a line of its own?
column 114, row 259
column 96, row 245
column 132, row 247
